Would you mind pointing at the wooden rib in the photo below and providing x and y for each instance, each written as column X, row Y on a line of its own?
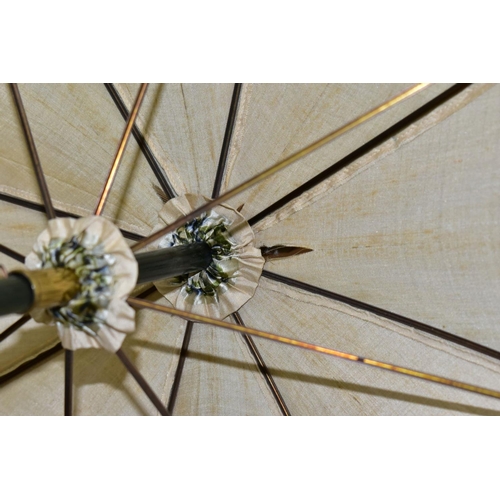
column 279, row 166
column 14, row 327
column 121, row 149
column 12, row 253
column 49, row 208
column 121, row 355
column 217, row 184
column 59, row 213
column 40, row 177
column 180, row 367
column 231, row 121
column 259, row 360
column 142, row 382
column 138, row 303
column 363, row 150
column 384, row 314
column 166, row 186
column 68, row 383
column 31, row 363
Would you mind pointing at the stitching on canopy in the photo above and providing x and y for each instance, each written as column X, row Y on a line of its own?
column 430, row 342
column 359, row 166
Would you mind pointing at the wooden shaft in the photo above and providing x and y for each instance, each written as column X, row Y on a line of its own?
column 16, row 295
column 23, row 290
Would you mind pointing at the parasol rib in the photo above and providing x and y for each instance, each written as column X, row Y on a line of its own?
column 263, row 368
column 59, row 213
column 343, row 385
column 231, row 121
column 31, row 363
column 68, row 383
column 362, row 151
column 259, row 360
column 121, row 355
column 138, row 303
column 180, row 367
column 121, row 149
column 384, row 314
column 161, row 177
column 279, row 166
column 312, row 379
column 14, row 327
column 51, row 214
column 142, row 382
column 217, row 184
column 12, row 254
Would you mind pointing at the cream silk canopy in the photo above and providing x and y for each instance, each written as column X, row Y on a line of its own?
column 402, row 212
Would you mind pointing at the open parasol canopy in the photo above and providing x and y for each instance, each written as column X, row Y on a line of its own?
column 401, row 212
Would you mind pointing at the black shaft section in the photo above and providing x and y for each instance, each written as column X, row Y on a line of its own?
column 16, row 295
column 173, row 261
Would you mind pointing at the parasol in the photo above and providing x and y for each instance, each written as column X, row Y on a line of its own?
column 400, row 212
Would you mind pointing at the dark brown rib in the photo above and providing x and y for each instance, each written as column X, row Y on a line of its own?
column 68, row 383
column 37, row 207
column 32, row 362
column 49, row 208
column 363, row 150
column 263, row 368
column 180, row 366
column 231, row 120
column 384, row 314
column 146, row 150
column 142, row 382
column 12, row 254
column 13, row 328
column 217, row 184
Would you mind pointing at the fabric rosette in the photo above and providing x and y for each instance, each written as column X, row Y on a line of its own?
column 92, row 247
column 233, row 275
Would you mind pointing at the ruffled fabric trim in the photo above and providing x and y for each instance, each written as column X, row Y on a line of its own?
column 245, row 263
column 118, row 318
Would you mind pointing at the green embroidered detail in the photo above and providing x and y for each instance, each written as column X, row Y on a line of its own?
column 212, row 229
column 86, row 257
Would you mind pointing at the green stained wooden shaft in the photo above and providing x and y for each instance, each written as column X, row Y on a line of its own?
column 16, row 295
column 173, row 261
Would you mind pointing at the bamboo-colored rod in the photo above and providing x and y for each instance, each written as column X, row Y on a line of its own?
column 144, row 304
column 121, row 149
column 279, row 166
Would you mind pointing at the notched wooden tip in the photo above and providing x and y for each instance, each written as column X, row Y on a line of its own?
column 240, row 208
column 159, row 191
column 282, row 251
